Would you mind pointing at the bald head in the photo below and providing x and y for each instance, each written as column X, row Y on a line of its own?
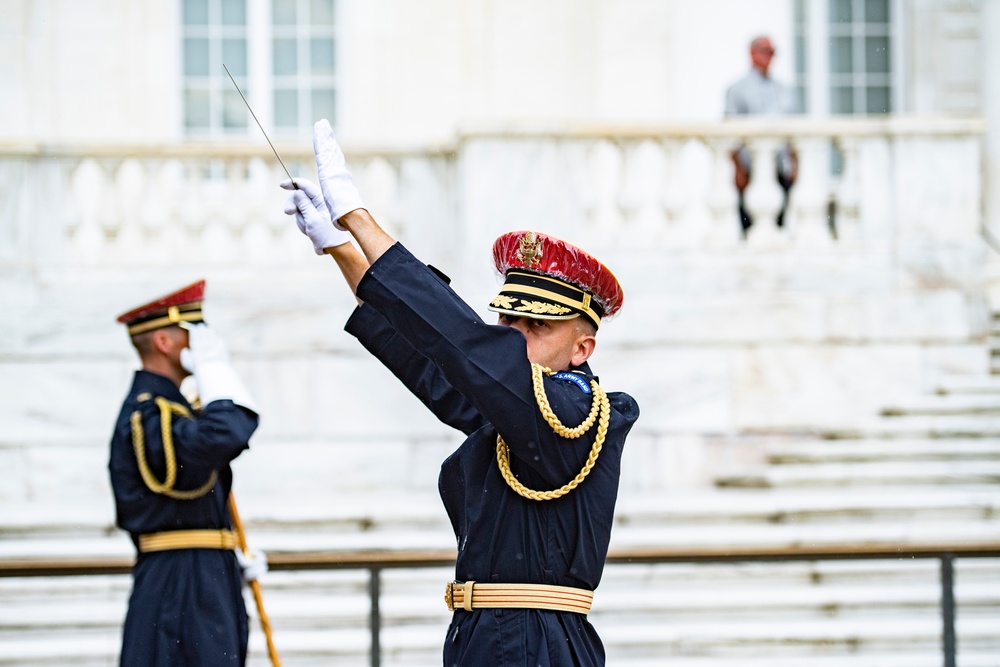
column 761, row 52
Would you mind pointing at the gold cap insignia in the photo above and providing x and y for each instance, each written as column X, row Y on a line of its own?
column 529, row 249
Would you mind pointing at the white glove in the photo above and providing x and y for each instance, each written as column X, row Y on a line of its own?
column 338, row 187
column 207, row 358
column 253, row 564
column 312, row 216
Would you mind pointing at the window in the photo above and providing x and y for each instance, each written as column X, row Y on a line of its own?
column 859, row 57
column 303, row 64
column 280, row 52
column 215, row 33
column 800, row 34
column 844, row 54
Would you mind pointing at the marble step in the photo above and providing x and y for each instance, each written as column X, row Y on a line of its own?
column 800, row 638
column 877, row 473
column 932, row 405
column 793, row 514
column 730, row 591
column 919, row 426
column 715, row 609
column 807, row 505
column 874, row 450
column 968, row 384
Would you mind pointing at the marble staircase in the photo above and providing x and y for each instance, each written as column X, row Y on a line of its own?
column 924, row 470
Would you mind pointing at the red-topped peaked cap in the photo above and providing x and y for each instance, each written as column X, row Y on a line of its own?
column 184, row 305
column 548, row 278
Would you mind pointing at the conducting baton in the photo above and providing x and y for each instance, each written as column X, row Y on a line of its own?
column 259, row 125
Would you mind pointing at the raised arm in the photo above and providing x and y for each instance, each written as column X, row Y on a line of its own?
column 330, row 213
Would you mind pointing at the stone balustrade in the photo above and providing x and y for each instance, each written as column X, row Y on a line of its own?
column 670, row 186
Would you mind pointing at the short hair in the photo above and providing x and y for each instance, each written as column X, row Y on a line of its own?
column 585, row 326
column 143, row 341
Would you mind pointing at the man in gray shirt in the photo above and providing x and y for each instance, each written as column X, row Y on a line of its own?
column 757, row 94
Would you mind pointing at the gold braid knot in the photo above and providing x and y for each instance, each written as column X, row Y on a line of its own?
column 166, row 487
column 600, row 410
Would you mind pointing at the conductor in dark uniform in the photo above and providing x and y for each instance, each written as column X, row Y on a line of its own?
column 531, row 492
column 171, row 477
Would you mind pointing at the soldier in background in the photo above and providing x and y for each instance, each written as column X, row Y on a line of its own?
column 531, row 492
column 171, row 478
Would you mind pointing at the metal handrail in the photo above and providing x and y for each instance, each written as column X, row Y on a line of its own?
column 374, row 561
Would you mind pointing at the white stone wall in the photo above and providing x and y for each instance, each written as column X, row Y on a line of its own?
column 717, row 338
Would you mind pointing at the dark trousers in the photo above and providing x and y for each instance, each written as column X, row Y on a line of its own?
column 746, row 221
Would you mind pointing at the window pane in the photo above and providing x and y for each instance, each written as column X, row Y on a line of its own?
column 799, row 11
column 321, row 12
column 841, row 56
column 195, row 57
column 323, row 104
column 195, row 12
column 879, row 100
column 234, row 54
column 877, row 55
column 840, row 11
column 196, row 108
column 234, row 12
column 876, row 11
column 285, row 57
column 283, row 12
column 799, row 96
column 842, row 100
column 800, row 54
column 286, row 108
column 321, row 56
column 234, row 110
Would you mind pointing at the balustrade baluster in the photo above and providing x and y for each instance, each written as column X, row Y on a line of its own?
column 109, row 211
column 763, row 197
column 672, row 197
column 85, row 188
column 605, row 168
column 848, row 190
column 810, row 195
column 722, row 198
column 639, row 198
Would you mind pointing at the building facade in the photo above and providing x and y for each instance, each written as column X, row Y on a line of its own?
column 131, row 166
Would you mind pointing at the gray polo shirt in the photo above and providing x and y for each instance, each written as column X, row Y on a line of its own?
column 759, row 95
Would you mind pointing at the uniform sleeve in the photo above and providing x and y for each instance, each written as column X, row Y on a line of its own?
column 219, row 434
column 487, row 364
column 414, row 370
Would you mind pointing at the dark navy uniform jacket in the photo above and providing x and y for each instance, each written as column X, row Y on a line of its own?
column 476, row 377
column 186, row 606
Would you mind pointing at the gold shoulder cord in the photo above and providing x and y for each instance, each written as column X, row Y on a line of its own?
column 600, row 405
column 166, row 488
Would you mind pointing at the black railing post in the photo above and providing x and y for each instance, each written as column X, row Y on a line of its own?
column 948, row 608
column 375, row 619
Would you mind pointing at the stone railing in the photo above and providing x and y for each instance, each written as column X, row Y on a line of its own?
column 670, row 185
column 771, row 332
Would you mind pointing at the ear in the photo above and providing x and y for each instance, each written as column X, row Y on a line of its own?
column 161, row 341
column 582, row 349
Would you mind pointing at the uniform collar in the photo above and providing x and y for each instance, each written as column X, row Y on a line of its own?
column 158, row 385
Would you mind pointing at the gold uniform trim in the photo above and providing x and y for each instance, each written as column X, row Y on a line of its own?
column 600, row 412
column 166, row 487
column 470, row 595
column 583, row 304
column 187, row 539
column 174, row 316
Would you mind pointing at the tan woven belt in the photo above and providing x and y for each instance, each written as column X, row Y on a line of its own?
column 187, row 539
column 474, row 595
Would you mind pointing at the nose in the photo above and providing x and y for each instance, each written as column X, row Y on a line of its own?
column 519, row 323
